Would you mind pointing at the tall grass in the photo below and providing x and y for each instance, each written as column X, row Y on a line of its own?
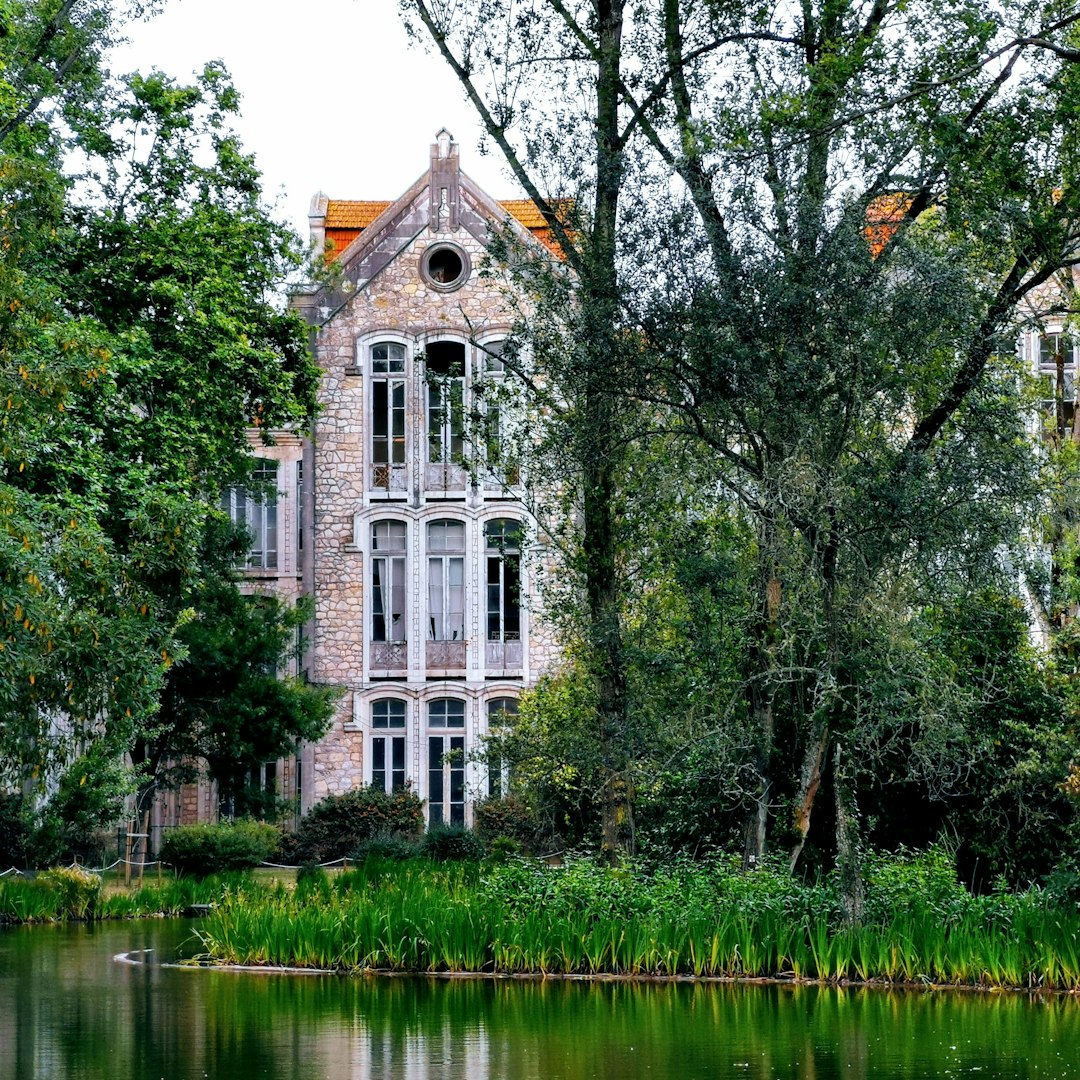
column 710, row 922
column 36, row 900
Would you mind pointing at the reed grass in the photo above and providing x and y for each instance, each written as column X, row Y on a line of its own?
column 708, row 922
column 38, row 900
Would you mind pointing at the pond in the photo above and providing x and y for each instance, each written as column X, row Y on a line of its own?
column 69, row 1010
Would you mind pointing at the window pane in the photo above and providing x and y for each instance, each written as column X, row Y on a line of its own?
column 378, row 763
column 388, row 713
column 397, row 779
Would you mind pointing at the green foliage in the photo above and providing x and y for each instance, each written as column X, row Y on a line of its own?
column 202, row 850
column 16, row 829
column 451, row 843
column 335, row 827
column 140, row 338
column 226, row 704
column 388, row 847
column 89, row 799
column 680, row 919
column 510, row 818
column 75, row 892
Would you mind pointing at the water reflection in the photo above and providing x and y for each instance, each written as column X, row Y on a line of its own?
column 67, row 1010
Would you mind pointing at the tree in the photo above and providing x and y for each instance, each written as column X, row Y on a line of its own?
column 142, row 335
column 838, row 210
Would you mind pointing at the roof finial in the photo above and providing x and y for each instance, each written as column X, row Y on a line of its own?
column 444, row 140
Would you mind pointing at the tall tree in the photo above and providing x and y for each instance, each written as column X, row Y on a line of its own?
column 838, row 208
column 142, row 335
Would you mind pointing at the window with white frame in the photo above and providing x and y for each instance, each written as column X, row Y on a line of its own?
column 446, row 761
column 503, row 558
column 494, row 405
column 445, row 369
column 254, row 506
column 388, row 616
column 500, row 711
column 446, row 581
column 388, row 415
column 388, row 744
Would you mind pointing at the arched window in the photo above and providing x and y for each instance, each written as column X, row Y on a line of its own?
column 446, row 761
column 389, row 617
column 388, row 744
column 388, row 416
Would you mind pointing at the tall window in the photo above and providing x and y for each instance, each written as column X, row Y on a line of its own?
column 446, row 761
column 499, row 713
column 388, row 617
column 388, row 415
column 255, row 507
column 503, row 537
column 388, row 744
column 446, row 402
column 493, row 406
column 446, row 581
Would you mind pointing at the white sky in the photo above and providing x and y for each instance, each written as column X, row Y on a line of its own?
column 334, row 95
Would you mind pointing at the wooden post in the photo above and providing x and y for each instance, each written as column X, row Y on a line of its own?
column 145, row 844
column 127, row 854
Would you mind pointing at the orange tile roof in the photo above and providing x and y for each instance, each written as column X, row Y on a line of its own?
column 350, row 214
column 884, row 216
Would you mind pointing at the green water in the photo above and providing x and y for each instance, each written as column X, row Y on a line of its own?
column 69, row 1010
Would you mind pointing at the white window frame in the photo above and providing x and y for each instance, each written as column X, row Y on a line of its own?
column 388, row 738
column 446, row 580
column 445, row 750
column 389, row 566
column 259, row 516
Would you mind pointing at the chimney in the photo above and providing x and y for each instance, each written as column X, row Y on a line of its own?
column 444, row 177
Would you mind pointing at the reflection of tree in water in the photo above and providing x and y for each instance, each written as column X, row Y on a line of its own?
column 67, row 1010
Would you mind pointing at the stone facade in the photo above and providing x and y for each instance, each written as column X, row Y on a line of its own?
column 415, row 707
column 431, row 640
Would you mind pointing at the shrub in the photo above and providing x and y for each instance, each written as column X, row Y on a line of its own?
column 386, row 846
column 16, row 826
column 335, row 827
column 76, row 891
column 209, row 849
column 451, row 843
column 510, row 817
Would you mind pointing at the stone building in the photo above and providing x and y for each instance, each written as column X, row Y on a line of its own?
column 412, row 540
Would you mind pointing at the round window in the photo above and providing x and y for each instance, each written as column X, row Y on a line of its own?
column 445, row 267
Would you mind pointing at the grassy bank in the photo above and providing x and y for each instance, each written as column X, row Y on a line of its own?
column 58, row 895
column 920, row 926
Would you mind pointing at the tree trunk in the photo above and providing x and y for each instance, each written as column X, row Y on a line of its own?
column 809, row 784
column 848, row 856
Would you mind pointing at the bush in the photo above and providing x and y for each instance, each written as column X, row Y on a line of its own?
column 451, row 843
column 335, row 827
column 510, row 817
column 77, row 891
column 16, row 826
column 385, row 846
column 210, row 849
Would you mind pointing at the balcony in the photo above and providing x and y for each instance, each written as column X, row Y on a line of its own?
column 446, row 655
column 389, row 655
column 503, row 655
column 389, row 478
column 445, row 477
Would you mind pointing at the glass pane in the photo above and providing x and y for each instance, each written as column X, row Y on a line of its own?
column 397, row 422
column 388, row 713
column 435, row 599
column 378, row 616
column 397, row 779
column 435, row 778
column 378, row 763
column 397, row 599
column 455, row 600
